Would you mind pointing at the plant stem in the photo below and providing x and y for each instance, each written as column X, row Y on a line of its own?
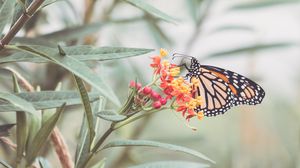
column 99, row 143
column 117, row 126
column 90, row 6
column 20, row 22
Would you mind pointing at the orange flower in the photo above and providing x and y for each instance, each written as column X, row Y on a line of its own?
column 177, row 88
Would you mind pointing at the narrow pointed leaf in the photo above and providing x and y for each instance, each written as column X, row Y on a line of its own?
column 44, row 163
column 42, row 136
column 21, row 133
column 81, row 53
column 6, row 12
column 262, row 4
column 4, row 129
column 49, row 2
column 151, row 10
column 18, row 102
column 46, row 100
column 22, row 125
column 171, row 164
column 111, row 116
column 83, row 147
column 72, row 33
column 100, row 164
column 74, row 66
column 4, row 164
column 253, row 48
column 32, row 41
column 233, row 28
column 124, row 143
column 194, row 6
column 19, row 10
column 87, row 107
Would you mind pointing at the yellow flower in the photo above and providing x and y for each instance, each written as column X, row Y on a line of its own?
column 180, row 85
column 174, row 71
column 200, row 115
column 163, row 52
column 199, row 100
column 165, row 63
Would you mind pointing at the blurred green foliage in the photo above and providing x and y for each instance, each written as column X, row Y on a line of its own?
column 65, row 40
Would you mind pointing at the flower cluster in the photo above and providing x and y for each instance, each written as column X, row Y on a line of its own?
column 172, row 88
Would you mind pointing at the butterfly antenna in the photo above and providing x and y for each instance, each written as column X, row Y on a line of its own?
column 181, row 55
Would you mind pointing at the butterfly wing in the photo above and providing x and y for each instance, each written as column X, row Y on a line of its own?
column 222, row 89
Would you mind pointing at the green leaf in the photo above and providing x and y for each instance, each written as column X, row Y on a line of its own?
column 158, row 34
column 76, row 67
column 151, row 10
column 233, row 28
column 6, row 12
column 87, row 107
column 42, row 136
column 81, row 53
column 19, row 102
column 22, row 125
column 123, row 143
column 171, row 164
column 111, row 116
column 49, row 2
column 72, row 33
column 5, row 164
column 83, row 147
column 20, row 8
column 32, row 41
column 194, row 6
column 44, row 163
column 46, row 100
column 21, row 133
column 100, row 164
column 262, row 4
column 253, row 48
column 4, row 129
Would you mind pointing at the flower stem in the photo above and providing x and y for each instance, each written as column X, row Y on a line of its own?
column 98, row 144
column 20, row 22
column 130, row 120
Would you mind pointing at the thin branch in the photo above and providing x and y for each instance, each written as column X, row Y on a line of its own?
column 90, row 6
column 8, row 142
column 21, row 80
column 61, row 149
column 20, row 22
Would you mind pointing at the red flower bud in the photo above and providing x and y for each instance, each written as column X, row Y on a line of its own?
column 163, row 101
column 155, row 95
column 132, row 84
column 147, row 90
column 138, row 86
column 156, row 105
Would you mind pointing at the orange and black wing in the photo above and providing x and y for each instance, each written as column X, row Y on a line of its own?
column 222, row 89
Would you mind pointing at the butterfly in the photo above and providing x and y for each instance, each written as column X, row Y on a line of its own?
column 220, row 89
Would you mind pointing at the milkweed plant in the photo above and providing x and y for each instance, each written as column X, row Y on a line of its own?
column 34, row 111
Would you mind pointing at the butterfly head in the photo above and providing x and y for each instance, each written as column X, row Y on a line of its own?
column 194, row 63
column 189, row 62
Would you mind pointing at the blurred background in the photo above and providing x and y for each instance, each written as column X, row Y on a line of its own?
column 256, row 38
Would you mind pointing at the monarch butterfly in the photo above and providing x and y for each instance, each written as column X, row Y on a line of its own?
column 220, row 89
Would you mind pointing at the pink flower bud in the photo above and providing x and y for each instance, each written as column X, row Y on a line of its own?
column 138, row 86
column 132, row 84
column 155, row 95
column 163, row 101
column 156, row 105
column 147, row 90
